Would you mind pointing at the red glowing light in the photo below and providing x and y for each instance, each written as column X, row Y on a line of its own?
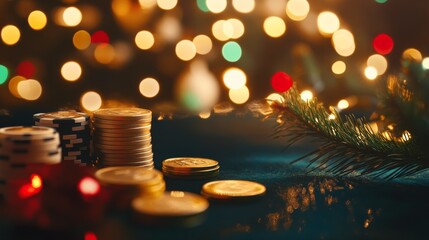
column 88, row 186
column 281, row 82
column 90, row 236
column 27, row 191
column 26, row 69
column 383, row 44
column 100, row 37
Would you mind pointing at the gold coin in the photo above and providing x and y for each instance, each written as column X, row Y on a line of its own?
column 189, row 163
column 171, row 204
column 129, row 176
column 123, row 113
column 232, row 189
column 187, row 172
column 101, row 121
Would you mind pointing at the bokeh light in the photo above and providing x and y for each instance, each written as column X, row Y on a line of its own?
column 343, row 104
column 202, row 5
column 275, row 97
column 205, row 115
column 169, row 28
column 144, row 40
column 149, row 87
column 203, row 44
column 72, row 16
column 238, row 27
column 29, row 89
column 281, row 82
column 380, row 1
column 344, row 42
column 91, row 101
column 88, row 186
column 81, row 40
column 306, row 95
column 425, row 63
column 338, row 67
column 100, row 36
column 412, row 54
column 328, row 23
column 185, row 50
column 166, row 4
column 104, row 53
column 4, row 74
column 239, row 96
column 71, row 71
column 234, row 78
column 274, row 26
column 37, row 20
column 36, row 181
column 370, row 73
column 13, row 85
column 26, row 69
column 383, row 44
column 297, row 10
column 231, row 51
column 243, row 6
column 222, row 30
column 10, row 34
column 216, row 6
column 379, row 62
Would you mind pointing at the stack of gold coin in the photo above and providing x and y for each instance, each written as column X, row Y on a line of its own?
column 149, row 182
column 190, row 167
column 175, row 207
column 122, row 137
column 232, row 190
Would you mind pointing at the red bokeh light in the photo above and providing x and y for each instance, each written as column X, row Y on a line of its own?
column 27, row 190
column 90, row 236
column 383, row 44
column 100, row 37
column 281, row 82
column 88, row 186
column 26, row 69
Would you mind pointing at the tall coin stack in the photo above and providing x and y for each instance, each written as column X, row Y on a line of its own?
column 23, row 150
column 122, row 137
column 75, row 133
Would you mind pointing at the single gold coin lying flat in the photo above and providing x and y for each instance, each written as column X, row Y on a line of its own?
column 189, row 163
column 171, row 204
column 129, row 176
column 227, row 189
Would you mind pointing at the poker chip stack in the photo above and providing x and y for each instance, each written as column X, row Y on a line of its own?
column 23, row 150
column 190, row 168
column 75, row 133
column 122, row 137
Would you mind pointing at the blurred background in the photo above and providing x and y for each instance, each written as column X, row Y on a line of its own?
column 201, row 54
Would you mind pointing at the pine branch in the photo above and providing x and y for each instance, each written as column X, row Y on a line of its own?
column 346, row 145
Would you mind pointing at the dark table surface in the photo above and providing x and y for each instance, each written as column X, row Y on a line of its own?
column 296, row 205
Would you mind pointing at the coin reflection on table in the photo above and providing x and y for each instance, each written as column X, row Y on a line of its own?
column 232, row 190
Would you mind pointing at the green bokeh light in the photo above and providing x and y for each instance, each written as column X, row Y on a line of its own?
column 381, row 1
column 191, row 101
column 231, row 51
column 4, row 73
column 202, row 5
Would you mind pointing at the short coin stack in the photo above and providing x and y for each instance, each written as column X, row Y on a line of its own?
column 75, row 133
column 232, row 190
column 122, row 137
column 24, row 149
column 190, row 167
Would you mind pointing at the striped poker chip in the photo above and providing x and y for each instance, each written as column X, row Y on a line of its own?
column 27, row 133
column 61, row 117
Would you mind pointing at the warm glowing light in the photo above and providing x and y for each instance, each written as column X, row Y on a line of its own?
column 4, row 74
column 149, row 87
column 379, row 62
column 29, row 89
column 239, row 96
column 343, row 104
column 144, row 40
column 37, row 20
column 91, row 101
column 13, row 85
column 222, row 30
column 412, row 54
column 338, row 67
column 306, row 95
column 238, row 27
column 10, row 34
column 104, row 53
column 72, row 16
column 71, row 71
column 406, row 136
column 425, row 64
column 88, row 186
column 231, row 51
column 243, row 6
column 328, row 23
column 331, row 116
column 383, row 44
column 185, row 50
column 297, row 10
column 274, row 26
column 204, row 115
column 234, row 78
column 169, row 28
column 344, row 42
column 36, row 181
column 203, row 44
column 275, row 97
column 216, row 6
column 371, row 73
column 81, row 40
column 166, row 4
column 27, row 191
